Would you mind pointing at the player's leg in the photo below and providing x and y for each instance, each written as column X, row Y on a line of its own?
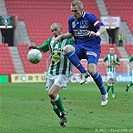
column 128, row 85
column 59, row 83
column 73, row 53
column 92, row 63
column 112, row 87
column 49, row 83
column 109, row 82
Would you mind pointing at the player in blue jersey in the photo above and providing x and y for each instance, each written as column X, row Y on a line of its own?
column 86, row 30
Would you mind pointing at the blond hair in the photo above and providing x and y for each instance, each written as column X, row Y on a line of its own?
column 78, row 3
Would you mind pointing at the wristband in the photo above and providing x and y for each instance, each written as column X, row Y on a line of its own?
column 98, row 33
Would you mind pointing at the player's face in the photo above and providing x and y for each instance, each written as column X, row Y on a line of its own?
column 111, row 51
column 56, row 30
column 76, row 11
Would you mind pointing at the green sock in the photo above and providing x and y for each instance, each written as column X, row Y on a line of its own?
column 108, row 88
column 130, row 84
column 56, row 110
column 112, row 88
column 59, row 104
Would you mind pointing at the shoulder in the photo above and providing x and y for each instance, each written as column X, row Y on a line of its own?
column 106, row 56
column 71, row 18
column 89, row 15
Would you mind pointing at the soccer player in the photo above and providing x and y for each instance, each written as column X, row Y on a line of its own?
column 86, row 30
column 111, row 60
column 131, row 65
column 59, row 70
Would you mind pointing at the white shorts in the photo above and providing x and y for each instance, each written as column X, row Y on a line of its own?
column 110, row 75
column 59, row 80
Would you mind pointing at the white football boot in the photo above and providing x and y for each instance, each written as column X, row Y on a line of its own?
column 83, row 77
column 113, row 96
column 104, row 100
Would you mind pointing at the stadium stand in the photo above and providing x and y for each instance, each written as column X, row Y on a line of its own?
column 129, row 48
column 38, row 15
column 105, row 50
column 29, row 67
column 6, row 60
column 122, row 8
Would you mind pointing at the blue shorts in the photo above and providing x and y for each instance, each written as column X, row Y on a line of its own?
column 91, row 54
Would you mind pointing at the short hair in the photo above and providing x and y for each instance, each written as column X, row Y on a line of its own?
column 58, row 24
column 78, row 3
column 111, row 48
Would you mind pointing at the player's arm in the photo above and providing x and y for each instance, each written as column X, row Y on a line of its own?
column 61, row 37
column 117, row 61
column 104, row 62
column 44, row 47
column 101, row 30
column 97, row 24
column 130, row 64
column 33, row 46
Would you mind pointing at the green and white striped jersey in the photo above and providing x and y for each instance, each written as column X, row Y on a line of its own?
column 131, row 59
column 59, row 64
column 109, row 60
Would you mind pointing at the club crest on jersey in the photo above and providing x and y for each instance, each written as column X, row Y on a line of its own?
column 91, row 53
column 84, row 24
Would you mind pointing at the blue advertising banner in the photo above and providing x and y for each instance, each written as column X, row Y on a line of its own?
column 123, row 77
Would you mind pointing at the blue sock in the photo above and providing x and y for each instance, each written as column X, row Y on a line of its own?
column 98, row 80
column 75, row 61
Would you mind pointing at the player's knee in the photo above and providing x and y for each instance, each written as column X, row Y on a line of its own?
column 68, row 49
column 51, row 95
column 91, row 70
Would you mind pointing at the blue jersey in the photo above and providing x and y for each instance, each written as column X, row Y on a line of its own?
column 80, row 28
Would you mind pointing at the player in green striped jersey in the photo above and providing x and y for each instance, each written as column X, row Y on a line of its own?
column 59, row 71
column 131, row 65
column 111, row 60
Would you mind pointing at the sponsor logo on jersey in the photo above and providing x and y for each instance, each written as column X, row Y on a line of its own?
column 91, row 53
column 56, row 58
column 80, row 32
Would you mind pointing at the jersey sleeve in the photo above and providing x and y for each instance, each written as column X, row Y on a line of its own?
column 131, row 59
column 70, row 29
column 45, row 46
column 117, row 59
column 105, row 58
column 94, row 20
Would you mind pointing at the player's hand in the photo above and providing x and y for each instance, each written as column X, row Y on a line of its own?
column 108, row 66
column 31, row 46
column 57, row 39
column 91, row 33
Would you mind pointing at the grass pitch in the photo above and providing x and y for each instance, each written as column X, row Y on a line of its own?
column 25, row 108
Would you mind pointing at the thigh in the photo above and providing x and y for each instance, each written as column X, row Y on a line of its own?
column 62, row 81
column 80, row 52
column 111, row 75
column 93, row 55
column 49, row 83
